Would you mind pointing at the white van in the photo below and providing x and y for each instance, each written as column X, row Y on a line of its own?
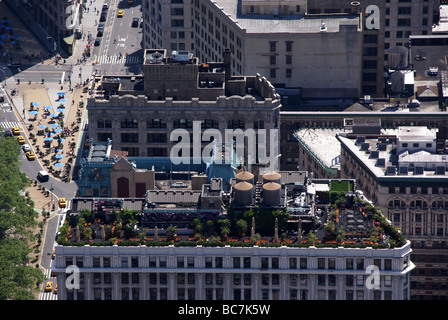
column 43, row 176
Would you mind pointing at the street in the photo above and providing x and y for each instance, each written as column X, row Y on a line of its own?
column 119, row 52
column 120, row 49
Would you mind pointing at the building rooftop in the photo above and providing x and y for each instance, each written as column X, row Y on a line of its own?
column 286, row 24
column 398, row 153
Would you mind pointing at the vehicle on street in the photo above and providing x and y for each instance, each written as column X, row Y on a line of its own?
column 21, row 139
column 8, row 133
column 141, row 23
column 105, row 7
column 130, row 2
column 49, row 286
column 55, row 289
column 62, row 202
column 43, row 176
column 30, row 156
column 134, row 22
column 120, row 13
column 16, row 131
column 97, row 42
column 26, row 147
column 103, row 17
column 99, row 33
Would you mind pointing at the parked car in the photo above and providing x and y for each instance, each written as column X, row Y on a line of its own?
column 134, row 22
column 8, row 133
column 103, row 17
column 30, row 156
column 21, row 139
column 26, row 147
column 16, row 131
column 97, row 42
column 49, row 286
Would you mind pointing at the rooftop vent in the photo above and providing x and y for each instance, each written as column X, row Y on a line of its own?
column 390, row 171
column 360, row 140
column 403, row 171
column 380, row 162
column 365, row 146
column 440, row 170
column 418, row 170
column 374, row 154
column 382, row 146
column 181, row 56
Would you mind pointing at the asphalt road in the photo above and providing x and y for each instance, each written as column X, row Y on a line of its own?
column 120, row 50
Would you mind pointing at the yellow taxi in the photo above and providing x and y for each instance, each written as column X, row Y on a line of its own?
column 16, row 131
column 21, row 139
column 120, row 13
column 62, row 202
column 130, row 2
column 53, row 254
column 30, row 155
column 55, row 288
column 49, row 286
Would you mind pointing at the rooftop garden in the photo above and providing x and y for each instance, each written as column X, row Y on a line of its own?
column 108, row 223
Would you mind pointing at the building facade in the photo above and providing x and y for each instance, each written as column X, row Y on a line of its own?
column 140, row 114
column 232, row 273
column 412, row 194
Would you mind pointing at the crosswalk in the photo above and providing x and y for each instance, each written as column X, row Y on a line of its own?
column 10, row 124
column 117, row 59
column 50, row 295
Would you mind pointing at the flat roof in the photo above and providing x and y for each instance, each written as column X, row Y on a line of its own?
column 285, row 24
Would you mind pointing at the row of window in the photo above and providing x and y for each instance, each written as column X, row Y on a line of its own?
column 415, row 190
column 237, row 262
column 218, row 294
column 178, row 123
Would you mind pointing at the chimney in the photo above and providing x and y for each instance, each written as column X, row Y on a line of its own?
column 227, row 60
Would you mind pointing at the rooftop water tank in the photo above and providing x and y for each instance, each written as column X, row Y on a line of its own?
column 271, row 193
column 398, row 58
column 243, row 193
column 245, row 176
column 272, row 177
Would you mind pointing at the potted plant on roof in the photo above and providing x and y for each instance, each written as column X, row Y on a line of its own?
column 171, row 233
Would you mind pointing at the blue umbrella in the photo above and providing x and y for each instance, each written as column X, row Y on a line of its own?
column 62, row 100
column 16, row 36
column 61, row 140
column 59, row 156
column 61, row 93
column 4, row 36
column 5, row 21
column 1, row 42
column 54, row 125
column 48, row 107
column 42, row 126
column 58, row 130
column 60, row 110
column 48, row 139
column 9, row 28
column 58, row 150
column 34, row 112
column 58, row 164
column 36, row 104
column 54, row 115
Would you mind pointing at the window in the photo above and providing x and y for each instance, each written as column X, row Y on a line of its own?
column 404, row 22
column 272, row 46
column 155, row 123
column 288, row 73
column 129, row 123
column 288, row 44
column 182, row 123
column 157, row 152
column 156, row 137
column 272, row 59
column 272, row 73
column 177, row 22
column 129, row 137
